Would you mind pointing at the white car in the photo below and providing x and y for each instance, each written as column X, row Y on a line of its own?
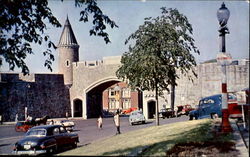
column 136, row 117
column 69, row 125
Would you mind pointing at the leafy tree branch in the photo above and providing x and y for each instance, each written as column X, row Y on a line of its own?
column 23, row 22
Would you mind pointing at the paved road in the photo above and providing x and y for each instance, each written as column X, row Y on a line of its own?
column 86, row 129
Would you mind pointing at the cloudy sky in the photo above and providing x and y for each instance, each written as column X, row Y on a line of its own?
column 129, row 14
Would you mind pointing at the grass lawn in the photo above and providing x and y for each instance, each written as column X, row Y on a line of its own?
column 154, row 141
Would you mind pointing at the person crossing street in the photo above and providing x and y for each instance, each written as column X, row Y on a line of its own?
column 117, row 122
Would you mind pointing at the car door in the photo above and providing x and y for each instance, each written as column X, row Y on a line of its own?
column 58, row 136
column 204, row 108
column 65, row 136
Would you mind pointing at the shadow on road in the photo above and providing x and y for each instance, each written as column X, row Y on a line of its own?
column 1, row 145
column 146, row 123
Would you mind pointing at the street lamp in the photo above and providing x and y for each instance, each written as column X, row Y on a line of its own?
column 224, row 59
column 27, row 104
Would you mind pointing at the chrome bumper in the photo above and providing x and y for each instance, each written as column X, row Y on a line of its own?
column 33, row 152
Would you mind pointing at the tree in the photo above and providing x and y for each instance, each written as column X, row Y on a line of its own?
column 159, row 48
column 23, row 22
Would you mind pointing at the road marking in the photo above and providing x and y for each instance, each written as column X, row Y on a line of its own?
column 9, row 138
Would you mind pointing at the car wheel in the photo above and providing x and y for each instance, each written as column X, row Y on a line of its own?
column 196, row 117
column 191, row 117
column 214, row 116
column 74, row 144
column 52, row 150
column 143, row 122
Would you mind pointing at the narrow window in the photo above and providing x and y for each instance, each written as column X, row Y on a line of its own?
column 67, row 63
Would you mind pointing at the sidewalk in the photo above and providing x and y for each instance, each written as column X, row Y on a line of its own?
column 241, row 137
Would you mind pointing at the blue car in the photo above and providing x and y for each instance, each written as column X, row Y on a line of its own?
column 193, row 114
column 209, row 107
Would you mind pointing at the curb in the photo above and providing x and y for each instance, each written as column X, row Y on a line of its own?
column 240, row 144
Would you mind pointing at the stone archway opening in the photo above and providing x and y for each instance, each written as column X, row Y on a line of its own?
column 95, row 99
column 77, row 108
column 151, row 109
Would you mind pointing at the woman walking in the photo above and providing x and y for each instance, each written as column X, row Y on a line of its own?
column 117, row 122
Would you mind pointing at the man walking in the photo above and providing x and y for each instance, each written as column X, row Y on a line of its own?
column 117, row 122
column 99, row 122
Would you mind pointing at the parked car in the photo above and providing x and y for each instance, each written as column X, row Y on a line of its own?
column 45, row 139
column 23, row 126
column 210, row 107
column 184, row 110
column 167, row 112
column 68, row 124
column 194, row 113
column 129, row 110
column 136, row 117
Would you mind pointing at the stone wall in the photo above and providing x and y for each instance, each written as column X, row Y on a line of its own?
column 208, row 81
column 42, row 94
column 47, row 94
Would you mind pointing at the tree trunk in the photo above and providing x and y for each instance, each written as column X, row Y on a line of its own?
column 172, row 92
column 156, row 105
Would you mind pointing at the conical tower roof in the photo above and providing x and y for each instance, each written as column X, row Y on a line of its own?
column 67, row 37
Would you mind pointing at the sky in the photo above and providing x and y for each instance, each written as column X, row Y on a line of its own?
column 130, row 14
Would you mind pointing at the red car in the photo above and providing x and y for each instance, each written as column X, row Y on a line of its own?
column 184, row 110
column 129, row 110
column 23, row 126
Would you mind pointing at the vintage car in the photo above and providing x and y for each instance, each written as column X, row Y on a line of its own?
column 68, row 124
column 136, row 117
column 184, row 110
column 45, row 139
column 193, row 114
column 127, row 111
column 167, row 112
column 23, row 126
column 210, row 107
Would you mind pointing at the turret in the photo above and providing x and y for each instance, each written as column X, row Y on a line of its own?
column 68, row 53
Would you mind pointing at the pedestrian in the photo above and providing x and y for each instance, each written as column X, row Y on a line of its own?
column 1, row 119
column 51, row 122
column 99, row 122
column 67, row 115
column 16, row 118
column 117, row 122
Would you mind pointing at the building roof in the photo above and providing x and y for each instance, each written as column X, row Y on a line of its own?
column 67, row 37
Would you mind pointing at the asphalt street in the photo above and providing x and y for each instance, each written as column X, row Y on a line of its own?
column 86, row 129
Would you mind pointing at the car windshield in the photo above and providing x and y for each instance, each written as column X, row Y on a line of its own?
column 36, row 132
column 231, row 97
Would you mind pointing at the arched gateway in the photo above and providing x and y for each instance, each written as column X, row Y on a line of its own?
column 90, row 83
column 99, row 98
column 96, row 97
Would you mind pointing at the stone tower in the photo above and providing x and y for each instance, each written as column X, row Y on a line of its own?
column 68, row 53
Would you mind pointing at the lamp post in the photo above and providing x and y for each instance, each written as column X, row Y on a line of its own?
column 224, row 59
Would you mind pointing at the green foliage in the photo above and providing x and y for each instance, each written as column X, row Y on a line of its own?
column 160, row 46
column 99, row 19
column 23, row 22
